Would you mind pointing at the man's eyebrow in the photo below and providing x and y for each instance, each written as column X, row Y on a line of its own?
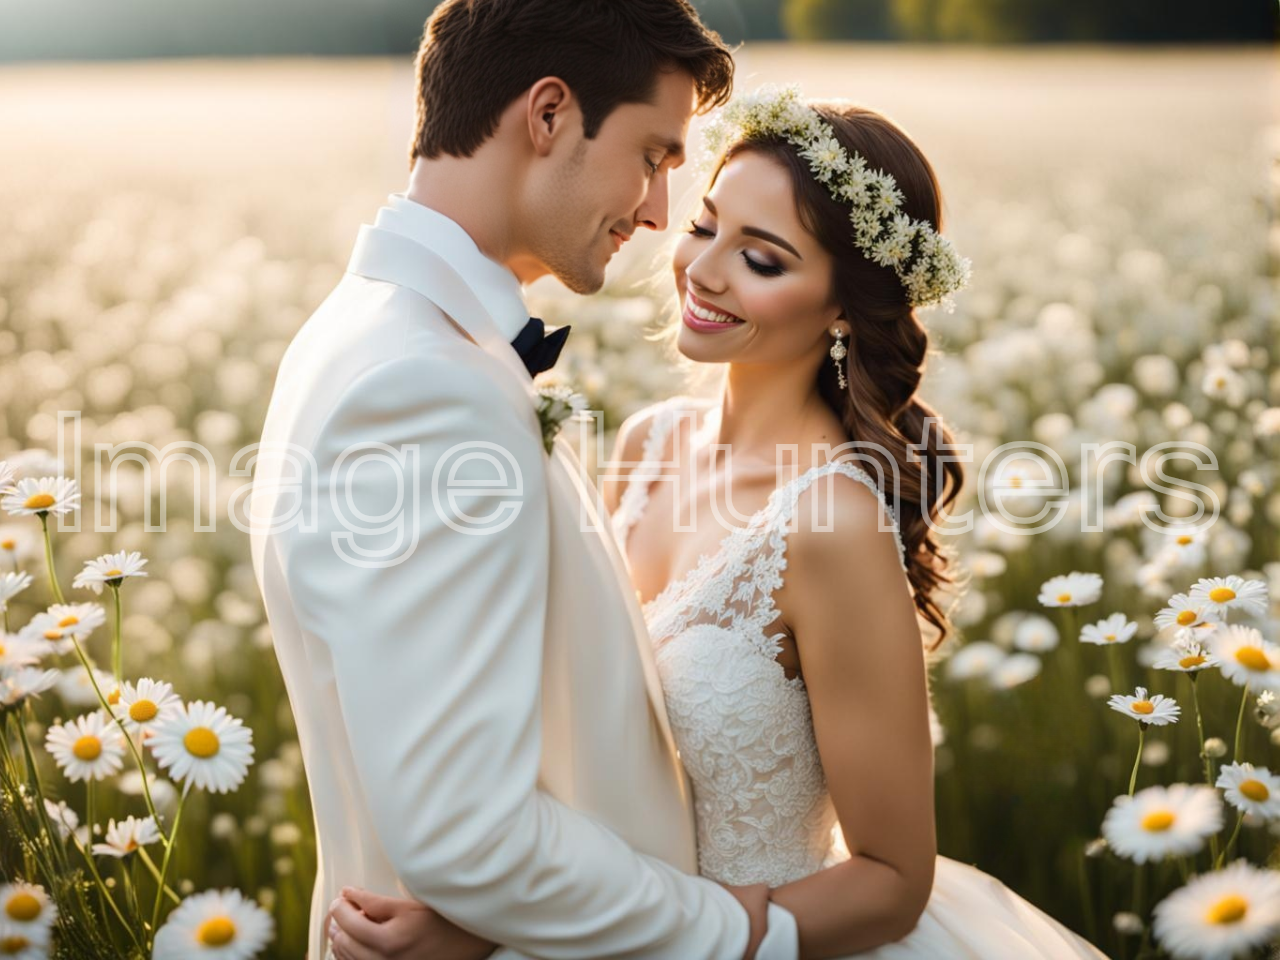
column 757, row 232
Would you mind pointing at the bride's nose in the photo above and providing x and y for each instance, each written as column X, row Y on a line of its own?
column 702, row 274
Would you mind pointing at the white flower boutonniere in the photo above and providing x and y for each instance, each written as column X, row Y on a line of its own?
column 556, row 404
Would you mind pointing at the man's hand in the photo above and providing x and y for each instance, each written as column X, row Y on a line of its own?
column 366, row 926
column 755, row 899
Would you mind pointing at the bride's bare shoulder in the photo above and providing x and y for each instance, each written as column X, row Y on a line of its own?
column 629, row 443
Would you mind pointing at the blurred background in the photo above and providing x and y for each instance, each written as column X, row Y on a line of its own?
column 181, row 184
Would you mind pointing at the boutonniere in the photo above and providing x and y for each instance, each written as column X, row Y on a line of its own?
column 556, row 404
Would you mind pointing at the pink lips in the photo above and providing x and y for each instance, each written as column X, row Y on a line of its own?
column 697, row 323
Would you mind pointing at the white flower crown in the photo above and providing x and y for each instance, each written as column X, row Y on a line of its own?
column 927, row 264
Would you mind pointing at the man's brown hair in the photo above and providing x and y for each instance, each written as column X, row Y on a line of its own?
column 479, row 55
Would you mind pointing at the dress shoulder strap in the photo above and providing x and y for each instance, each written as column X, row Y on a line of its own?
column 635, row 496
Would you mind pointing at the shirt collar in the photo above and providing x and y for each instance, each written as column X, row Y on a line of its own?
column 494, row 285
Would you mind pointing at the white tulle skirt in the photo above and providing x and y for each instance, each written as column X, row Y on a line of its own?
column 973, row 916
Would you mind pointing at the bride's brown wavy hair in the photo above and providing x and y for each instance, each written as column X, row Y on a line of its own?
column 888, row 345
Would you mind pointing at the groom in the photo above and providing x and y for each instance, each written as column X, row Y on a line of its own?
column 476, row 701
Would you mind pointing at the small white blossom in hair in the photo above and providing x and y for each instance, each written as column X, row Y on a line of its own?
column 927, row 264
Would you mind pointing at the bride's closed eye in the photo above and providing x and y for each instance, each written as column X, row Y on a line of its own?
column 763, row 269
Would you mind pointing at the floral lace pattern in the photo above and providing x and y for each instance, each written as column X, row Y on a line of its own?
column 743, row 729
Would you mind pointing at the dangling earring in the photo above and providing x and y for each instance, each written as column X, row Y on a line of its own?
column 838, row 353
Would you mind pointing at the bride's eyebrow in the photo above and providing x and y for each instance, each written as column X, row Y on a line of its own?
column 757, row 232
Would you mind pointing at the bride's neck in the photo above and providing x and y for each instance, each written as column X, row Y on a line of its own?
column 763, row 406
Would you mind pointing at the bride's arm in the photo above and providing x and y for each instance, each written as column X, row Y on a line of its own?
column 849, row 607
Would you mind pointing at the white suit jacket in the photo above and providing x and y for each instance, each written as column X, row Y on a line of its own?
column 479, row 714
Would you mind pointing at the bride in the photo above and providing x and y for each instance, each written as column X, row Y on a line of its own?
column 786, row 573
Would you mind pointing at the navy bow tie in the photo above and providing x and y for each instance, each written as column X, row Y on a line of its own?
column 539, row 350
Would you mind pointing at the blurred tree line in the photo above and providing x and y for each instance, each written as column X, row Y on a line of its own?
column 93, row 29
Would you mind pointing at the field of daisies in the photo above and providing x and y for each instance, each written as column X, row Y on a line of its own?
column 1108, row 736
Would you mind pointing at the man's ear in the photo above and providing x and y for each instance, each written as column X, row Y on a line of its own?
column 550, row 109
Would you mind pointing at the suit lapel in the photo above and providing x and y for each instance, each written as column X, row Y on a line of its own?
column 386, row 255
column 593, row 517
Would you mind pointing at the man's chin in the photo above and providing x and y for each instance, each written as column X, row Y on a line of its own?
column 582, row 281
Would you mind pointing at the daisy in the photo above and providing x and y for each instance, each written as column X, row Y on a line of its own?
column 12, row 584
column 1185, row 613
column 1244, row 657
column 26, row 910
column 17, row 544
column 1184, row 545
column 62, row 816
column 1015, row 670
column 76, row 690
column 1251, row 789
column 127, row 836
column 140, row 705
column 1231, row 593
column 31, row 497
column 217, row 923
column 1116, row 628
column 1185, row 655
column 7, row 476
column 17, row 685
column 21, row 946
column 1071, row 590
column 16, row 651
column 110, row 569
column 1161, row 822
column 35, row 462
column 974, row 659
column 63, row 623
column 87, row 748
column 1035, row 633
column 1220, row 915
column 202, row 744
column 1159, row 710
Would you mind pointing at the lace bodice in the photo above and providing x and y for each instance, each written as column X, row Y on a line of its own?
column 743, row 729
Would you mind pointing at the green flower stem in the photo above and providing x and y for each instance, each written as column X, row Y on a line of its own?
column 41, row 813
column 1230, row 843
column 103, row 892
column 1235, row 753
column 124, row 731
column 48, row 558
column 1133, row 777
column 115, row 636
column 155, row 874
column 164, row 869
column 1204, row 756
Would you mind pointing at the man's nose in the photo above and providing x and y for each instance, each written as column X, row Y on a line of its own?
column 653, row 212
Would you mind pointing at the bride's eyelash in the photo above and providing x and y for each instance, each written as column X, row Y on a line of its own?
column 764, row 270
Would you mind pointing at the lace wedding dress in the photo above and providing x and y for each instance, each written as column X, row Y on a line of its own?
column 745, row 734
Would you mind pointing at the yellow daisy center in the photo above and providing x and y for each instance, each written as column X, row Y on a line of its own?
column 9, row 544
column 69, row 621
column 1184, row 540
column 23, row 907
column 1255, row 790
column 1221, row 594
column 1064, row 598
column 1110, row 637
column 143, row 710
column 1, row 649
column 1157, row 821
column 1186, row 618
column 12, row 946
column 1143, row 706
column 201, row 742
column 216, row 932
column 40, row 501
column 1186, row 663
column 114, row 697
column 53, row 634
column 1252, row 658
column 87, row 748
column 113, row 573
column 1230, row 909
column 1015, row 481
